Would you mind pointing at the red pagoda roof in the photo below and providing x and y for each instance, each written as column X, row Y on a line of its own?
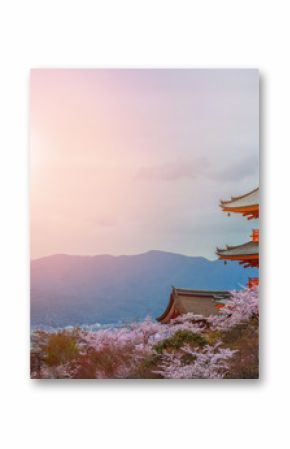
column 247, row 204
column 247, row 254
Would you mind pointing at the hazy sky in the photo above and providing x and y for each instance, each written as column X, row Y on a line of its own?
column 125, row 161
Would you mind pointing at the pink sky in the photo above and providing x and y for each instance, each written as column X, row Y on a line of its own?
column 125, row 161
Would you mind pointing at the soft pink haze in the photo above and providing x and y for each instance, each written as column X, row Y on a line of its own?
column 125, row 161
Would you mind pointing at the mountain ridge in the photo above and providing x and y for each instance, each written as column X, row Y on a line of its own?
column 76, row 289
column 151, row 251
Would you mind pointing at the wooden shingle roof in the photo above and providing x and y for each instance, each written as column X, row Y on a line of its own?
column 247, row 254
column 249, row 248
column 249, row 199
column 198, row 302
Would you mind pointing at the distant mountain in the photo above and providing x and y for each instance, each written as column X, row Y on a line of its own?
column 72, row 290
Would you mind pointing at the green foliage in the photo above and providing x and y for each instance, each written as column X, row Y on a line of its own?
column 213, row 337
column 179, row 339
column 60, row 348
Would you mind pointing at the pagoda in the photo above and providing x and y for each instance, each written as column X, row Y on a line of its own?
column 248, row 253
column 208, row 302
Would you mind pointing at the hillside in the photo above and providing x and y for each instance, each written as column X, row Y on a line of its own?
column 189, row 347
column 72, row 290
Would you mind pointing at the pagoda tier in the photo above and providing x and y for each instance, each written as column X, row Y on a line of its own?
column 198, row 302
column 247, row 204
column 247, row 254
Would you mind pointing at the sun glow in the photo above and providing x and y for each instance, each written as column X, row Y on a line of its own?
column 120, row 162
column 41, row 158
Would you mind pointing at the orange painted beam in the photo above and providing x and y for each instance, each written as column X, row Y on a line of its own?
column 252, row 211
column 245, row 257
column 247, row 209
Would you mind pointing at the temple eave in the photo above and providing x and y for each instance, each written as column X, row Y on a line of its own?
column 249, row 200
column 248, row 260
column 198, row 302
column 238, row 256
column 252, row 212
